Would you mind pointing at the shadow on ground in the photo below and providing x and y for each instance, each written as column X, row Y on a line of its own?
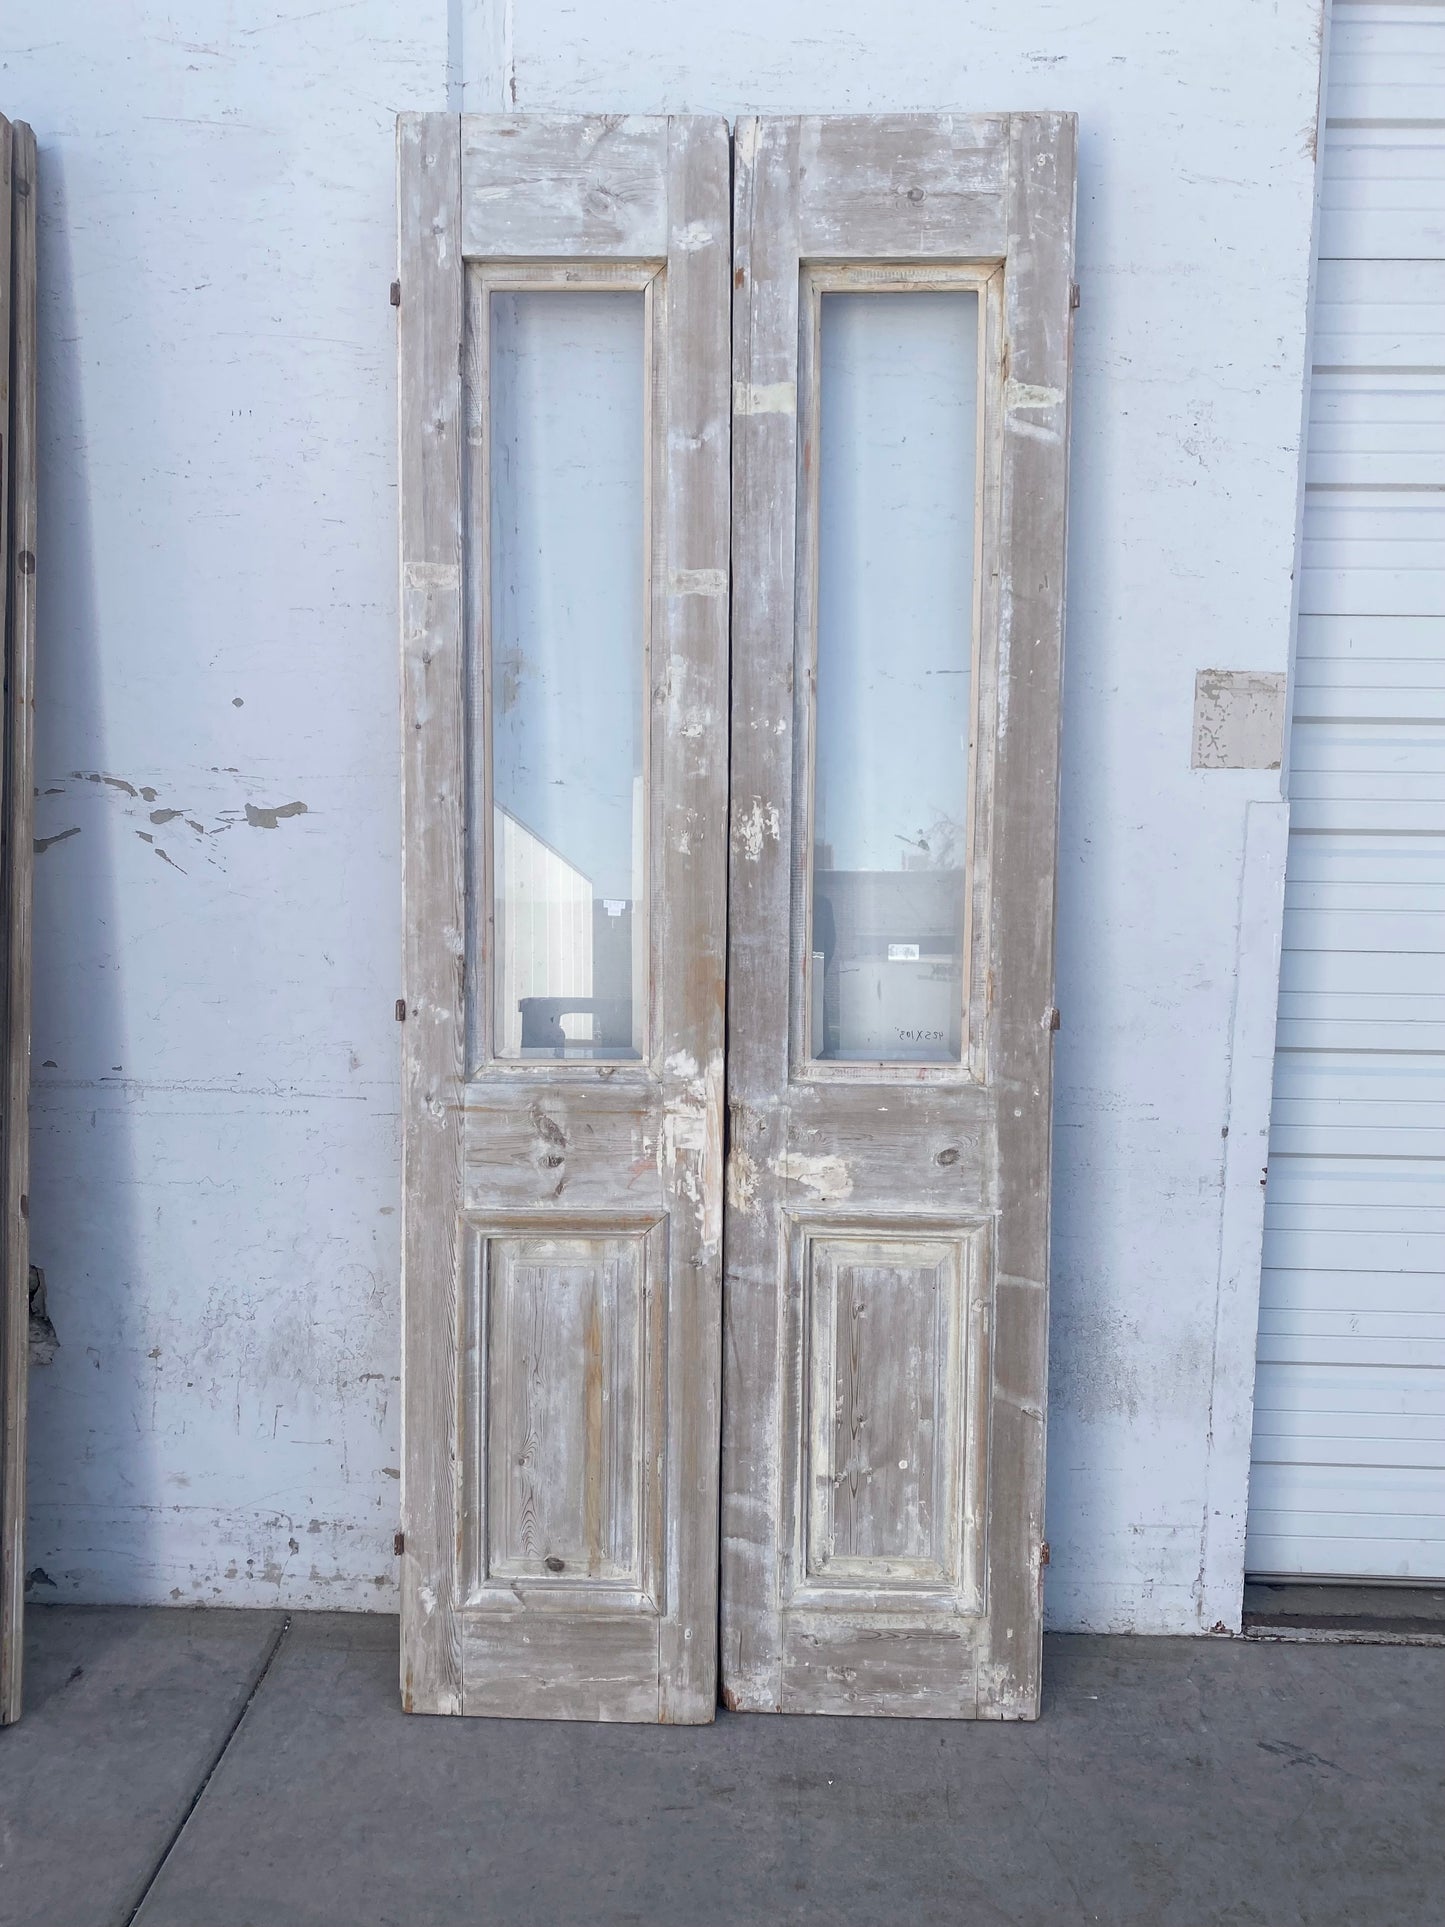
column 1170, row 1783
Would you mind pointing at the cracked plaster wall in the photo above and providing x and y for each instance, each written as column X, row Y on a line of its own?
column 217, row 904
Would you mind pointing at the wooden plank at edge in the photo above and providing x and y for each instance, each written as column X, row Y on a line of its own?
column 429, row 429
column 20, row 564
column 1033, row 548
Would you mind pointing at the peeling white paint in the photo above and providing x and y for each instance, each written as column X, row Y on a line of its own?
column 827, row 1176
column 753, row 830
column 765, row 398
column 703, row 582
column 1027, row 394
column 743, row 1174
column 689, row 1152
column 432, row 575
column 696, row 236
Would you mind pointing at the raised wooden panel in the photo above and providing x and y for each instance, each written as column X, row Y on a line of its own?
column 884, row 1418
column 562, row 1417
column 883, row 1415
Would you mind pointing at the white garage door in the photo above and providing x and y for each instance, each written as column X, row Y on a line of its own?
column 1349, row 1441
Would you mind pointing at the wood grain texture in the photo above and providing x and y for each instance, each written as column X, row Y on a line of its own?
column 892, row 1157
column 19, row 548
column 434, row 778
column 765, row 443
column 550, row 186
column 563, row 1418
column 1039, row 335
column 561, row 1669
column 903, row 187
column 690, row 707
column 883, row 1479
column 586, row 1429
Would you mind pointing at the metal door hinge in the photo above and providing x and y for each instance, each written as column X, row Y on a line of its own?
column 1052, row 1019
column 401, row 1010
column 396, row 294
column 398, row 1543
column 1073, row 294
column 1044, row 1553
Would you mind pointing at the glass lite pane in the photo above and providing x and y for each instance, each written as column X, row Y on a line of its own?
column 897, row 479
column 567, row 584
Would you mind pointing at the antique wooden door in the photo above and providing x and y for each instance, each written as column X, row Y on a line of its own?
column 899, row 370
column 901, row 348
column 564, row 473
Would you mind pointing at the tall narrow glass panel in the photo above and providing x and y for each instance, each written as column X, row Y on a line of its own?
column 897, row 482
column 568, row 574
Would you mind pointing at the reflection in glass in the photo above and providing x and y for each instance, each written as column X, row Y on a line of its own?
column 567, row 581
column 896, row 484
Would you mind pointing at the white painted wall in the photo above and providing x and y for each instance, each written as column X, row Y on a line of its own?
column 216, row 1096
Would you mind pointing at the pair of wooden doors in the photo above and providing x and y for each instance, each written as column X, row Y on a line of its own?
column 732, row 546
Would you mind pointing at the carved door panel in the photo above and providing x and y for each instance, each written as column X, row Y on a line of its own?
column 901, row 351
column 564, row 475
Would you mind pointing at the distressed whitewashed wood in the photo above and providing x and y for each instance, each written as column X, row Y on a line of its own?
column 18, row 362
column 433, row 883
column 574, row 1216
column 894, row 1338
column 910, row 187
column 555, row 1147
column 914, row 1160
column 12, row 1326
column 554, row 186
column 563, row 1434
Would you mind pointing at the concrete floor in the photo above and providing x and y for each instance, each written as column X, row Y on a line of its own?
column 228, row 1769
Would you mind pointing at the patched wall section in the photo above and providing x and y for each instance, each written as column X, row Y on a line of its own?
column 216, row 1160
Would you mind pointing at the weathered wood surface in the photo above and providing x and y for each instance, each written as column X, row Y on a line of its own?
column 903, row 187
column 765, row 336
column 565, row 1219
column 559, row 186
column 1038, row 284
column 433, row 885
column 18, row 357
column 894, row 1158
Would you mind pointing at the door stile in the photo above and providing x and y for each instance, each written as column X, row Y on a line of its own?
column 1039, row 334
column 18, row 548
column 690, row 698
column 434, row 895
column 764, row 463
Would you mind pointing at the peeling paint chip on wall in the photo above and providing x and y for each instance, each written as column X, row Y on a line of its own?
column 1238, row 719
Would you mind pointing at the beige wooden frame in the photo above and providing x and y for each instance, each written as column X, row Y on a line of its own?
column 818, row 279
column 582, row 277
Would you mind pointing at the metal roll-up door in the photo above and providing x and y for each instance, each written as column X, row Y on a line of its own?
column 1349, row 1439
